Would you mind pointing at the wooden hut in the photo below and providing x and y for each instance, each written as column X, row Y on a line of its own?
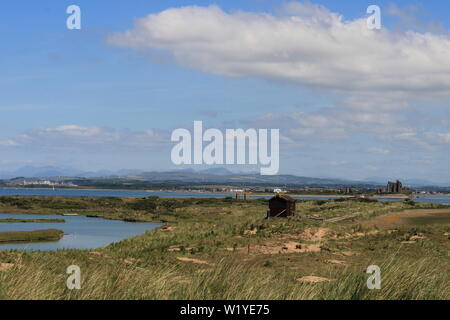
column 281, row 206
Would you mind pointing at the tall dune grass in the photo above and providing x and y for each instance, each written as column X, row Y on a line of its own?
column 228, row 279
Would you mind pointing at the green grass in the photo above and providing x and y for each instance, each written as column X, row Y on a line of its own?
column 30, row 236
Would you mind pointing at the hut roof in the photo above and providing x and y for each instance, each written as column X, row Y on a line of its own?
column 284, row 197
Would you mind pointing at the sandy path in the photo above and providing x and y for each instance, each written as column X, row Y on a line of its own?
column 290, row 243
column 400, row 218
column 195, row 261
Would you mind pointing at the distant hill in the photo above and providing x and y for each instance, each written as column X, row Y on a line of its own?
column 244, row 179
column 216, row 171
column 219, row 176
column 37, row 172
column 53, row 172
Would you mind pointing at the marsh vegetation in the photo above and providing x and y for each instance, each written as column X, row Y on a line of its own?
column 226, row 249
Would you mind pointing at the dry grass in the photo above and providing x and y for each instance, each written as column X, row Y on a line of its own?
column 147, row 267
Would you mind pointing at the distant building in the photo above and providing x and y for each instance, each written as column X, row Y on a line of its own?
column 45, row 183
column 349, row 191
column 281, row 206
column 394, row 187
column 243, row 195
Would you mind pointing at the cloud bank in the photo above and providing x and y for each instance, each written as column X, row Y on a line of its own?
column 305, row 45
column 75, row 138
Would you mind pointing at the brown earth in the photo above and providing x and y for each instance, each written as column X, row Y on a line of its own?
column 290, row 243
column 6, row 266
column 195, row 261
column 398, row 218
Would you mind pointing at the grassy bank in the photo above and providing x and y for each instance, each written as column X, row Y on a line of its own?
column 32, row 220
column 31, row 236
column 225, row 249
column 154, row 209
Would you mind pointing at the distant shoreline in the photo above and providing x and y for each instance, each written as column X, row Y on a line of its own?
column 231, row 194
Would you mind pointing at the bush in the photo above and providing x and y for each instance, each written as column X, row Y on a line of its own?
column 148, row 204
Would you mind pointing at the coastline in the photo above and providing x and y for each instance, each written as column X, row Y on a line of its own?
column 226, row 194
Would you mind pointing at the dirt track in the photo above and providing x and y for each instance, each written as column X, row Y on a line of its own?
column 400, row 218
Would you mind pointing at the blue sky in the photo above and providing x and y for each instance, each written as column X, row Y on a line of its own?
column 92, row 99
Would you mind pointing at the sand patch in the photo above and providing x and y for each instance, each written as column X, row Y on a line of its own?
column 250, row 232
column 414, row 238
column 355, row 235
column 168, row 228
column 191, row 260
column 99, row 254
column 290, row 243
column 313, row 279
column 178, row 249
column 419, row 236
column 6, row 266
column 314, row 235
column 131, row 261
column 401, row 218
column 202, row 271
column 286, row 247
column 348, row 253
column 338, row 262
column 243, row 249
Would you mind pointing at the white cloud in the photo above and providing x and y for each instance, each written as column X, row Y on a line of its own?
column 337, row 126
column 338, row 163
column 381, row 151
column 438, row 138
column 8, row 143
column 331, row 124
column 74, row 131
column 445, row 137
column 371, row 168
column 376, row 80
column 78, row 138
column 307, row 45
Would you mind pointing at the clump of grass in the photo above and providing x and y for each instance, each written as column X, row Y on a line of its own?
column 227, row 279
column 30, row 236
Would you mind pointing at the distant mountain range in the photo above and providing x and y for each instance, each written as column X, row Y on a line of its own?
column 52, row 172
column 244, row 179
column 209, row 176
